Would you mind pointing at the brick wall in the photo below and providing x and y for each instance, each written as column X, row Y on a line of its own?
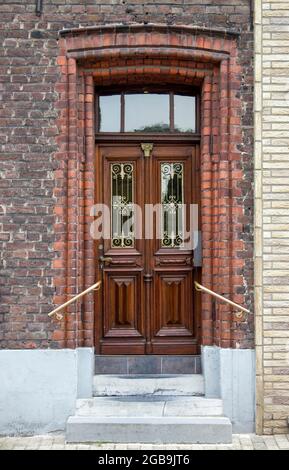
column 272, row 220
column 29, row 139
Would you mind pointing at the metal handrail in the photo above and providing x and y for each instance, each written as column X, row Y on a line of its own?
column 241, row 309
column 198, row 287
column 95, row 286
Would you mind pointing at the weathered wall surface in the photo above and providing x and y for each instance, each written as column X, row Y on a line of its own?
column 271, row 208
column 39, row 388
column 230, row 374
column 28, row 133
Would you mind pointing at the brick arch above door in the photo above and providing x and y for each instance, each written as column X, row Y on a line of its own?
column 107, row 55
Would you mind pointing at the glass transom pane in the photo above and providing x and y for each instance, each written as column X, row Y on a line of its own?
column 184, row 113
column 151, row 112
column 147, row 112
column 172, row 200
column 109, row 113
column 122, row 207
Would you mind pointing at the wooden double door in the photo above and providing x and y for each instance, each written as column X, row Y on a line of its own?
column 147, row 304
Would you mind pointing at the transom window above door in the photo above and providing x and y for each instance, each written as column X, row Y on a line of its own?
column 147, row 111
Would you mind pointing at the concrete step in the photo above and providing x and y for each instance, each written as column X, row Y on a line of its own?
column 150, row 429
column 132, row 385
column 149, row 364
column 149, row 419
column 146, row 406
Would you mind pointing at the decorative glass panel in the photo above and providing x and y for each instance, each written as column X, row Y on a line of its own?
column 122, row 182
column 185, row 113
column 109, row 113
column 172, row 189
column 147, row 112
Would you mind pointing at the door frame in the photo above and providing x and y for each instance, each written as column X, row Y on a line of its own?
column 133, row 55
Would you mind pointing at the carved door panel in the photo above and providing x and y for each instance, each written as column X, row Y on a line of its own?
column 173, row 322
column 146, row 305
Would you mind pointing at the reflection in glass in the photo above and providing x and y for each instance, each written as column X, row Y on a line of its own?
column 122, row 205
column 172, row 204
column 109, row 113
column 147, row 112
column 185, row 113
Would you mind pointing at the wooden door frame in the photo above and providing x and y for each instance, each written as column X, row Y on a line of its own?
column 134, row 140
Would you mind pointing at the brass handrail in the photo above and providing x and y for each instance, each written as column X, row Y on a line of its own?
column 95, row 286
column 241, row 309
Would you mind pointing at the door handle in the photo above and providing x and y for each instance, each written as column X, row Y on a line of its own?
column 105, row 259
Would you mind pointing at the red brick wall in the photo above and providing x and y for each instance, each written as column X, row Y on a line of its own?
column 40, row 264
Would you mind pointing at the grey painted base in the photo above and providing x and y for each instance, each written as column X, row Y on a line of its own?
column 206, row 430
column 229, row 374
column 39, row 388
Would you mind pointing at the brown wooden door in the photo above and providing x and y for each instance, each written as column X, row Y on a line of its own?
column 147, row 303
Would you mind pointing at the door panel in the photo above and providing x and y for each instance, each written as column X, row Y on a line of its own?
column 147, row 302
column 121, row 311
column 172, row 310
column 173, row 304
column 122, row 329
column 172, row 324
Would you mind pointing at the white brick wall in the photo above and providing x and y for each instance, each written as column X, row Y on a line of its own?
column 272, row 213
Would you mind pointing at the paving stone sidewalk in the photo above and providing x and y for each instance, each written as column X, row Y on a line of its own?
column 56, row 441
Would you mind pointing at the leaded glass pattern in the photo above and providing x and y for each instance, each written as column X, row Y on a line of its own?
column 122, row 204
column 172, row 198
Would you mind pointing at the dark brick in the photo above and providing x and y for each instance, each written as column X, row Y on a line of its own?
column 28, row 134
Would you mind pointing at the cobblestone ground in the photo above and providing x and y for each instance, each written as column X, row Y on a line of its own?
column 55, row 441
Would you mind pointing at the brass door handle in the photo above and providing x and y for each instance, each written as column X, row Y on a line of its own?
column 105, row 259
